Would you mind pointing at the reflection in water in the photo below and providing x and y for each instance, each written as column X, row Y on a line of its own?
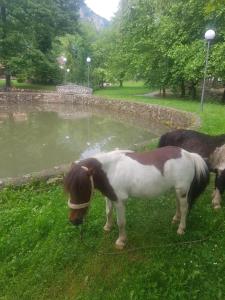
column 32, row 139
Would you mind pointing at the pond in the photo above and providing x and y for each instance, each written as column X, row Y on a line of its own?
column 37, row 137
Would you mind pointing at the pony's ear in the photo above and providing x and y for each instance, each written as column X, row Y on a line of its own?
column 74, row 163
column 89, row 171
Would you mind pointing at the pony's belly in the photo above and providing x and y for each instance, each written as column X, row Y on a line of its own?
column 149, row 192
column 150, row 189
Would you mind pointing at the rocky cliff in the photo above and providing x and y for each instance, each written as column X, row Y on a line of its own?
column 87, row 15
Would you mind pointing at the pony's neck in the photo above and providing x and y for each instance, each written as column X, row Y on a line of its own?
column 100, row 178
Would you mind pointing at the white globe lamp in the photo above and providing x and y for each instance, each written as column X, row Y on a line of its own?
column 210, row 35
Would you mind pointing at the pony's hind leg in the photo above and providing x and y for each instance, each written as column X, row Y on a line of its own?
column 183, row 211
column 120, row 212
column 216, row 201
column 109, row 215
column 219, row 188
column 176, row 217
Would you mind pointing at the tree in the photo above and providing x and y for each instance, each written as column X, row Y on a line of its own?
column 164, row 41
column 27, row 31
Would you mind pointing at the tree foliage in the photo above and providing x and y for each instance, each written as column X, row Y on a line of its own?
column 28, row 29
column 163, row 42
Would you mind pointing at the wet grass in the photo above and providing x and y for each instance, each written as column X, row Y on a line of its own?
column 42, row 256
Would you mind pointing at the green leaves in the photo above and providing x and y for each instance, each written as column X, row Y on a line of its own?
column 163, row 43
column 28, row 29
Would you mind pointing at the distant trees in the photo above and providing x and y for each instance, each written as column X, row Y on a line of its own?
column 110, row 57
column 28, row 29
column 158, row 41
column 162, row 43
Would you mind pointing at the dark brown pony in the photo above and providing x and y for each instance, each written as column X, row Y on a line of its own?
column 211, row 148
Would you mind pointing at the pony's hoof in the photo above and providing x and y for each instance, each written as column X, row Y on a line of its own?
column 120, row 245
column 107, row 228
column 217, row 206
column 175, row 220
column 180, row 231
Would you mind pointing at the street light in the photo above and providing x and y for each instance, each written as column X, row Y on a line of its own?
column 88, row 60
column 62, row 60
column 66, row 72
column 209, row 36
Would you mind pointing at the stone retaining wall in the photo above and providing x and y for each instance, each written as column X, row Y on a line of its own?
column 74, row 89
column 147, row 112
column 23, row 97
column 168, row 116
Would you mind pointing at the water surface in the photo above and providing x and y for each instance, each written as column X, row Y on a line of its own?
column 33, row 138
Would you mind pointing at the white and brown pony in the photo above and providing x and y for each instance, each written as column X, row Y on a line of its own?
column 123, row 173
column 211, row 148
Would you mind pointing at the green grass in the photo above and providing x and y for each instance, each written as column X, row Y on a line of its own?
column 128, row 90
column 42, row 256
column 29, row 86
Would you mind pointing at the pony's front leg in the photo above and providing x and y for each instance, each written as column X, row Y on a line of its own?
column 120, row 212
column 183, row 212
column 109, row 216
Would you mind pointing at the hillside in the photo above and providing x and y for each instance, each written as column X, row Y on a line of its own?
column 87, row 15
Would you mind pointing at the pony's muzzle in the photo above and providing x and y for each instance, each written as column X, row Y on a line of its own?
column 77, row 222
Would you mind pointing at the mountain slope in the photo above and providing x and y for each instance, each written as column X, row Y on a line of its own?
column 87, row 15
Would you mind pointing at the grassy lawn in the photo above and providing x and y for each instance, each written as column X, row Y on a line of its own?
column 42, row 256
column 212, row 117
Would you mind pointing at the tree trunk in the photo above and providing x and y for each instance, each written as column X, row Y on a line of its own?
column 7, row 81
column 223, row 97
column 182, row 87
column 101, row 83
column 193, row 91
column 3, row 18
column 121, row 83
column 164, row 92
column 4, row 35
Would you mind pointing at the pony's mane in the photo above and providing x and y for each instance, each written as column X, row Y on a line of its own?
column 114, row 155
column 113, row 152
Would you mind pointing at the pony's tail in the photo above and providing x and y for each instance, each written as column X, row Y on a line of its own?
column 200, row 180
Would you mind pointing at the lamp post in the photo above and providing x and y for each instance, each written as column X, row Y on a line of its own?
column 209, row 36
column 62, row 64
column 88, row 60
column 67, row 72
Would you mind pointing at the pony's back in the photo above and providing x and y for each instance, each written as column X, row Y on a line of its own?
column 192, row 141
